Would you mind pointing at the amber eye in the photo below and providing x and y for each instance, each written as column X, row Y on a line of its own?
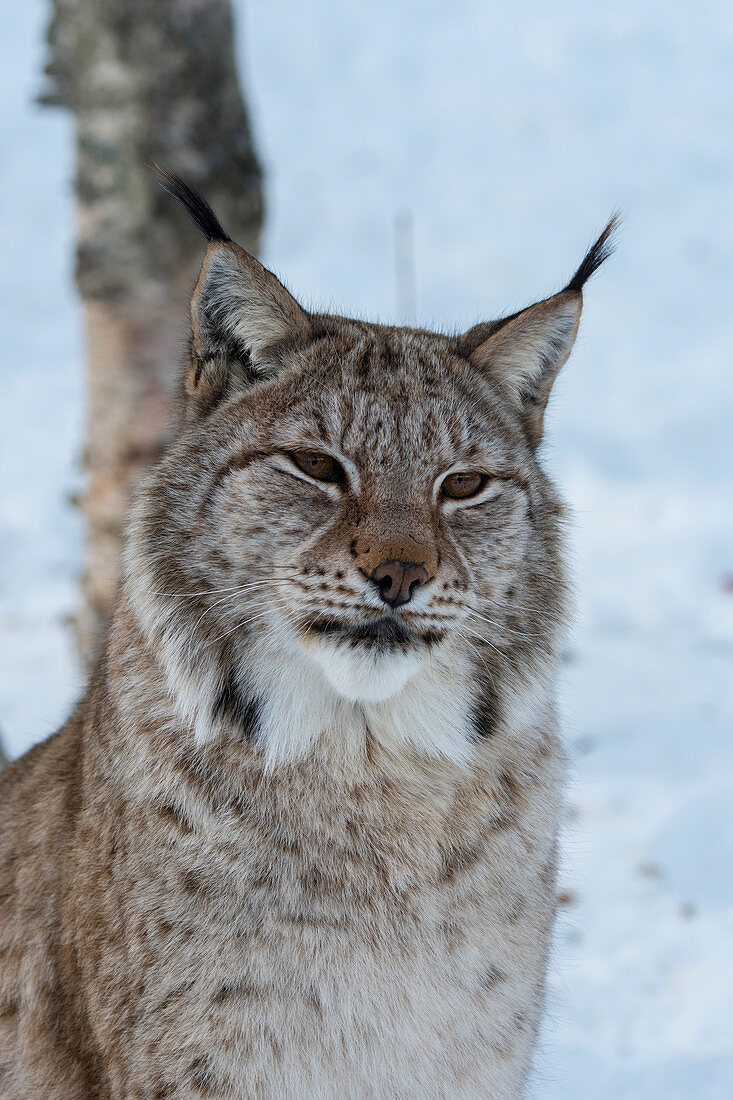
column 463, row 484
column 318, row 465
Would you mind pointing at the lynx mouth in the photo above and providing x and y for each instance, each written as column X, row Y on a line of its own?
column 370, row 660
column 364, row 662
column 384, row 633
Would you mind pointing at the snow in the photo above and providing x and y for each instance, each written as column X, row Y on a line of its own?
column 505, row 138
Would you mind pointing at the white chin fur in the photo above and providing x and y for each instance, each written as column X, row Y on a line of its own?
column 361, row 674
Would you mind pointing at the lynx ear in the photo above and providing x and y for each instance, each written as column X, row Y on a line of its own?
column 242, row 317
column 241, row 311
column 524, row 352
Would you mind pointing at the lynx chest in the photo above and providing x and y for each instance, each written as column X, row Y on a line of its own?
column 300, row 939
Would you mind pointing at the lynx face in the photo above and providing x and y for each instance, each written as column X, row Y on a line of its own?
column 373, row 504
column 353, row 517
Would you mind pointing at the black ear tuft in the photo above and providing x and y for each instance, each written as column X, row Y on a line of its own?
column 196, row 205
column 597, row 254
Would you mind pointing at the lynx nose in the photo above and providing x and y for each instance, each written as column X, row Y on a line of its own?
column 397, row 580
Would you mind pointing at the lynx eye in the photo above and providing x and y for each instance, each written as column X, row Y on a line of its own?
column 320, row 466
column 463, row 484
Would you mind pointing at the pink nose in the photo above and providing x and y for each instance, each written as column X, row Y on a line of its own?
column 397, row 580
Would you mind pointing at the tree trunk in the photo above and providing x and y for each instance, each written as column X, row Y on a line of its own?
column 148, row 81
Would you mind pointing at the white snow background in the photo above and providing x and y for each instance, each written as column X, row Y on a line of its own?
column 507, row 136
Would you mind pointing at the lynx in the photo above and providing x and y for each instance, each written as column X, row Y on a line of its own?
column 298, row 840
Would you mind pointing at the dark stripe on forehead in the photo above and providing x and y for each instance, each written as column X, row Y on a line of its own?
column 363, row 357
column 320, row 425
column 389, row 357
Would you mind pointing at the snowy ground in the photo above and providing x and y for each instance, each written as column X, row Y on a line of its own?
column 507, row 137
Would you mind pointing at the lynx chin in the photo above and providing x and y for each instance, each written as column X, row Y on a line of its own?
column 298, row 839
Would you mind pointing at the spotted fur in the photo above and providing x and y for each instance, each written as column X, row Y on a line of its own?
column 295, row 843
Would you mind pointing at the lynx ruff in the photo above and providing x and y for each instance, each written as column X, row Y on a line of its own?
column 298, row 839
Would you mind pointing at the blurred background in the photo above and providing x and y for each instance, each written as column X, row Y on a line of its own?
column 440, row 164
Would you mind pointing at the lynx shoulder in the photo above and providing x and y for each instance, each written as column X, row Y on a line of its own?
column 298, row 840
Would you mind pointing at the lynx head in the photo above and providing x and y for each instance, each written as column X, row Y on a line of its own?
column 351, row 530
